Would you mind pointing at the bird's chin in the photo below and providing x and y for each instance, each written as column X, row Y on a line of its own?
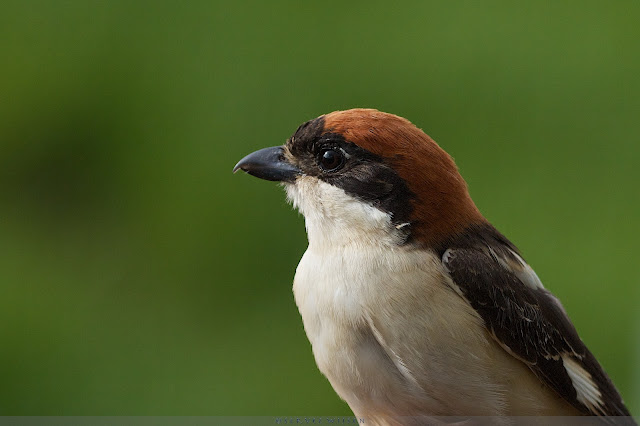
column 293, row 193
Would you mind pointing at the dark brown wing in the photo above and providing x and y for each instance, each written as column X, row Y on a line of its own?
column 528, row 321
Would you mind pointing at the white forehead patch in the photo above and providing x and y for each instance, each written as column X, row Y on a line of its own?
column 334, row 217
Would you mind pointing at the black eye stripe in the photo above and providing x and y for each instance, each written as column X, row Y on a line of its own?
column 360, row 173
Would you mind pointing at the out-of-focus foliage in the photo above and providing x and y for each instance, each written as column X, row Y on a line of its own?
column 139, row 276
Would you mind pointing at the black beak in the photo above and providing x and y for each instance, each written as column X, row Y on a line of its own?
column 268, row 164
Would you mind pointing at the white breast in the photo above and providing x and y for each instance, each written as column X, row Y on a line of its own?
column 386, row 327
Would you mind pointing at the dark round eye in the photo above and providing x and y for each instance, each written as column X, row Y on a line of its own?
column 331, row 159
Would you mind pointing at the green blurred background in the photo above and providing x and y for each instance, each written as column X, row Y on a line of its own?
column 140, row 277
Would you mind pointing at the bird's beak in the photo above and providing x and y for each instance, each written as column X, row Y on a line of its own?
column 269, row 164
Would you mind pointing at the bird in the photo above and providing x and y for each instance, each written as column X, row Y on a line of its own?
column 416, row 307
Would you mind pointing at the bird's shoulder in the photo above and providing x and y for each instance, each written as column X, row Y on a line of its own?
column 526, row 319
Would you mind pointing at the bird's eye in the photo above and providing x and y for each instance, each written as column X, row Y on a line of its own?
column 331, row 159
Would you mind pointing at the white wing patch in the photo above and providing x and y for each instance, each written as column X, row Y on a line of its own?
column 523, row 271
column 587, row 391
column 527, row 275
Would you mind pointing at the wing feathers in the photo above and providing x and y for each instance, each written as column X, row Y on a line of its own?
column 587, row 391
column 527, row 320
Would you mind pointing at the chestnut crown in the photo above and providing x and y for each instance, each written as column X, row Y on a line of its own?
column 386, row 160
column 381, row 159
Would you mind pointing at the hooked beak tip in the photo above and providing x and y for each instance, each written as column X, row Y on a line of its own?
column 268, row 164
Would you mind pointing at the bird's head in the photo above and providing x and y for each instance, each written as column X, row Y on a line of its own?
column 364, row 176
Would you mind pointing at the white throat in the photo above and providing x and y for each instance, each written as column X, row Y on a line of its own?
column 335, row 219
